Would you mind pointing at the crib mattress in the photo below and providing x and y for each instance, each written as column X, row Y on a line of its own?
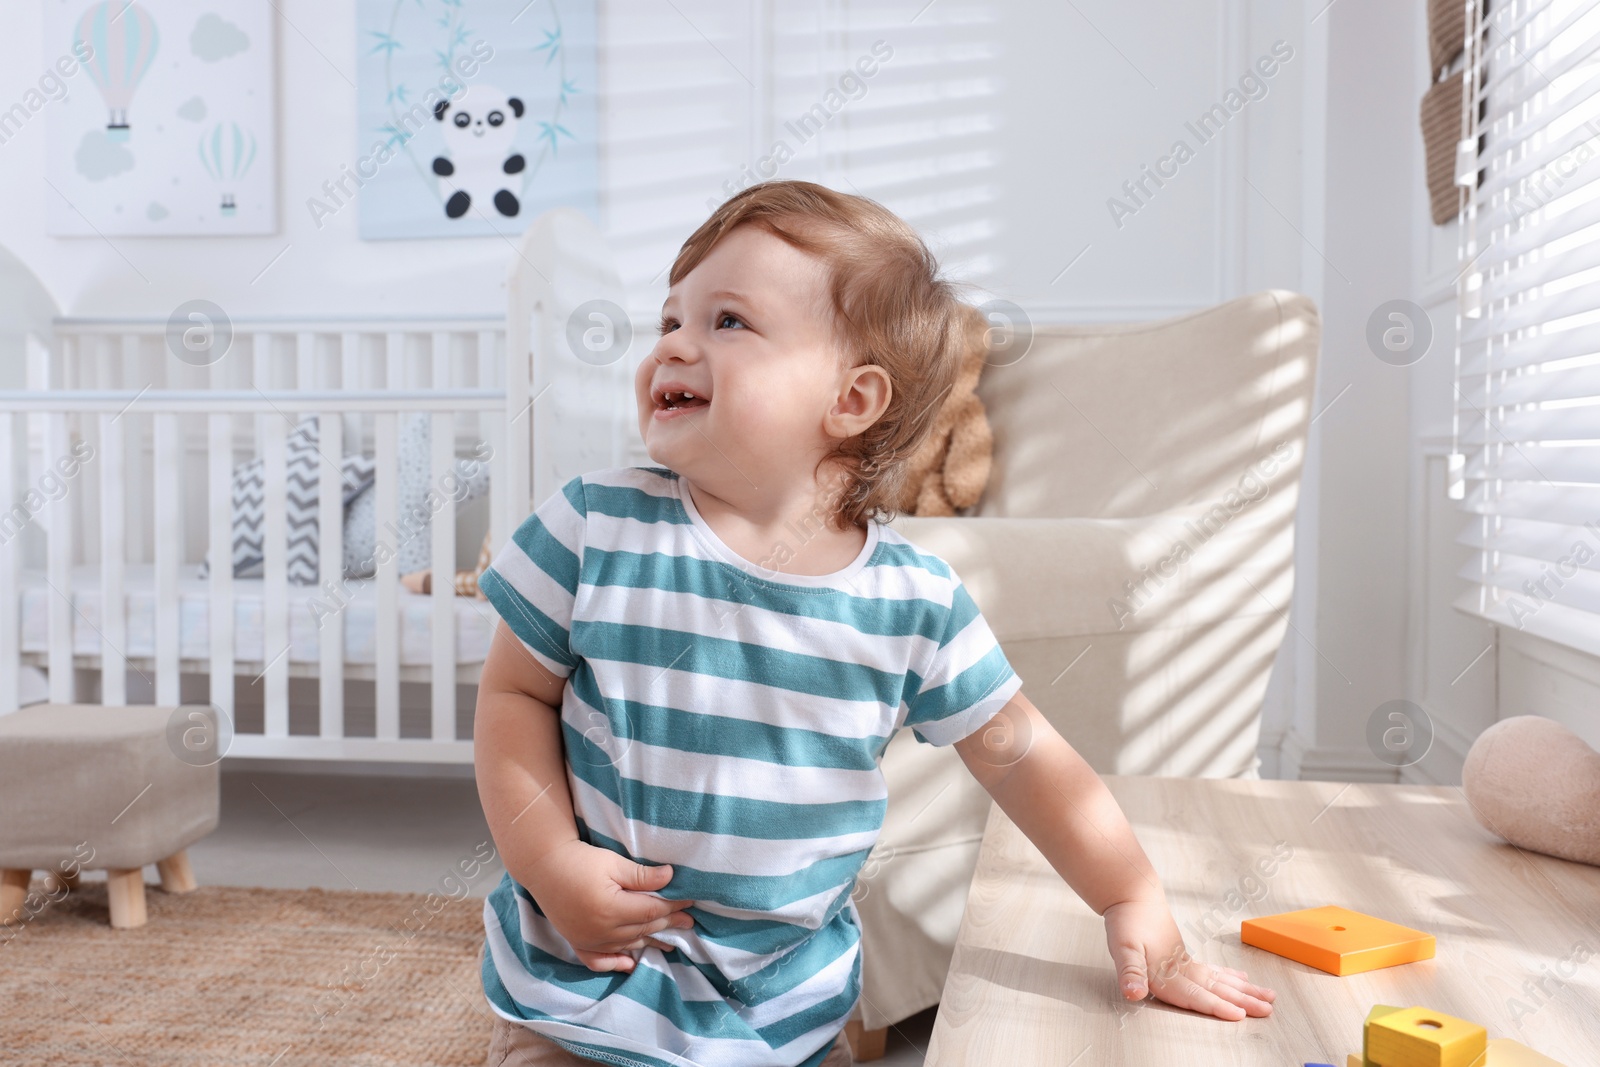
column 310, row 608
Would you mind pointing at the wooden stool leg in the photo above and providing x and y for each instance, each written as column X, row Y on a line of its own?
column 176, row 874
column 56, row 880
column 865, row 1044
column 125, row 892
column 13, row 893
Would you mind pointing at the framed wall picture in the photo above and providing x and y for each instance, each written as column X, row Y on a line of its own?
column 167, row 124
column 475, row 116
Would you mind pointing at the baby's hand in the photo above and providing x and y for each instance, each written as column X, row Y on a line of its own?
column 602, row 904
column 1151, row 958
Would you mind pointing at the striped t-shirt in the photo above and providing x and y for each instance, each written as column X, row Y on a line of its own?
column 728, row 719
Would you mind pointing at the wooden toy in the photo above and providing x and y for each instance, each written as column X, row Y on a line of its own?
column 1422, row 1037
column 1504, row 1052
column 1378, row 1011
column 1337, row 940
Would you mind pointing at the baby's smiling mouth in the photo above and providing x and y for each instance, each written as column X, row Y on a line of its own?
column 678, row 399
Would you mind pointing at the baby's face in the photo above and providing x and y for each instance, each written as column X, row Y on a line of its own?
column 749, row 333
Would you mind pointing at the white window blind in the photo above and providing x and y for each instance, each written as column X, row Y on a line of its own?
column 1527, row 380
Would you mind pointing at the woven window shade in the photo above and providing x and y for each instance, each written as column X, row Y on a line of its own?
column 1526, row 466
column 1447, row 29
column 1441, row 130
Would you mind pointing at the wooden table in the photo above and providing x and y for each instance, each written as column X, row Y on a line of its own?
column 1031, row 981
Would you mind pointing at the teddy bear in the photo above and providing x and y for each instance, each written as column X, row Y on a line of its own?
column 479, row 127
column 1536, row 783
column 952, row 467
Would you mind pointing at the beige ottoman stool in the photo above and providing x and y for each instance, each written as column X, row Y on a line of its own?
column 115, row 788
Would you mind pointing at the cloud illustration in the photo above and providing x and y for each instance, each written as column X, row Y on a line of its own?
column 216, row 38
column 98, row 157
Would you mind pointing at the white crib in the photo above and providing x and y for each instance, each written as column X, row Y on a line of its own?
column 98, row 586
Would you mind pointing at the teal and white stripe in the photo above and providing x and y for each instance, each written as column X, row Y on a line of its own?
column 728, row 720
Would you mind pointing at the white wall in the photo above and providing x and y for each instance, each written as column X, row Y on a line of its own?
column 1360, row 122
column 1001, row 130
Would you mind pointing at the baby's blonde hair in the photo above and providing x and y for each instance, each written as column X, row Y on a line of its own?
column 890, row 308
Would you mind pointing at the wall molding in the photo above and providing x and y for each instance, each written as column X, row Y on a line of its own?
column 1328, row 764
column 1449, row 753
column 1282, row 753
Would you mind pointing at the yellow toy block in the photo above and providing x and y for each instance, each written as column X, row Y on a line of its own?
column 1422, row 1037
column 1504, row 1052
column 1337, row 940
column 1378, row 1011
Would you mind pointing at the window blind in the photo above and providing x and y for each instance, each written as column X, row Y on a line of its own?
column 1526, row 461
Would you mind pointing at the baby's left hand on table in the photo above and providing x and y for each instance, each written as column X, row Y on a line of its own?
column 1151, row 958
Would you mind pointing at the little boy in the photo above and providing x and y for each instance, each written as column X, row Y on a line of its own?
column 681, row 715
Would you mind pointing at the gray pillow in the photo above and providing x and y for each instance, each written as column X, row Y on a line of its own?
column 303, row 467
column 412, row 538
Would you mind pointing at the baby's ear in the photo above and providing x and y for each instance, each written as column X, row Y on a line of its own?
column 516, row 106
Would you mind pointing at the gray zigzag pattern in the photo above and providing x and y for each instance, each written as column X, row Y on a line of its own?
column 303, row 486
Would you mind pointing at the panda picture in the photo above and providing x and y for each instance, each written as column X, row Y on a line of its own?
column 479, row 127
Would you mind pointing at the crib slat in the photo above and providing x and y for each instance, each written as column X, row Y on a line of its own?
column 261, row 379
column 305, row 360
column 87, row 363
column 168, row 553
column 520, row 336
column 113, row 607
column 219, row 525
column 386, row 630
column 274, row 580
column 37, row 374
column 441, row 359
column 349, row 379
column 330, row 574
column 443, row 525
column 488, row 377
column 10, row 651
column 394, row 356
column 58, row 565
column 492, row 426
column 217, row 373
column 261, row 360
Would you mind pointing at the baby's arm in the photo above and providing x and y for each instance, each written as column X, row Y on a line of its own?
column 1058, row 800
column 599, row 901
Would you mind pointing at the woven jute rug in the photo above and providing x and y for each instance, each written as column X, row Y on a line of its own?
column 229, row 977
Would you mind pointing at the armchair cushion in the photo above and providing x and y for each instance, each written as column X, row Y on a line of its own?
column 1125, row 419
column 1057, row 578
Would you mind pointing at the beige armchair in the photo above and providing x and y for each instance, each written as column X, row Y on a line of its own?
column 1133, row 553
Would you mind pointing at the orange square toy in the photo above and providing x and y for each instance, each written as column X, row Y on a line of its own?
column 1422, row 1037
column 1337, row 940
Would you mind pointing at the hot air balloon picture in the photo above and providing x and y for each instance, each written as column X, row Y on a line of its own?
column 226, row 151
column 124, row 39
